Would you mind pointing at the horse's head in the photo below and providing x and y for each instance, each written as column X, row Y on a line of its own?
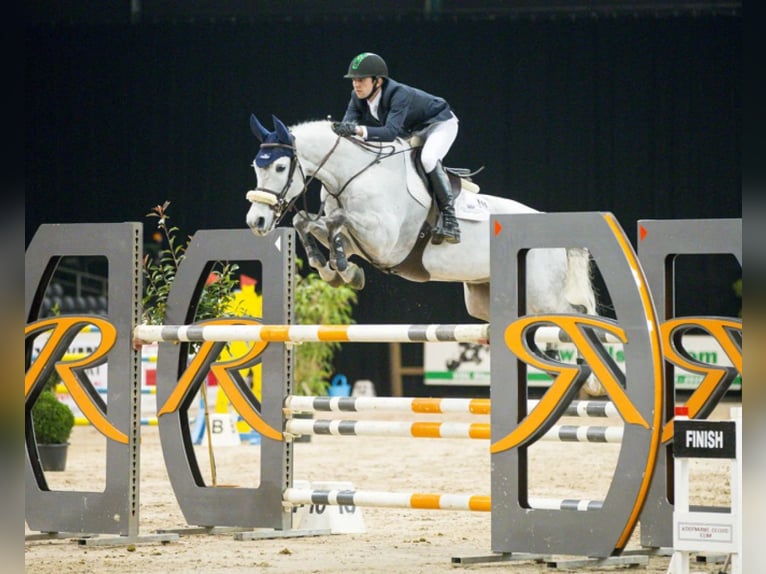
column 278, row 184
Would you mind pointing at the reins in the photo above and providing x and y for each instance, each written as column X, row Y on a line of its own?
column 366, row 146
column 277, row 199
column 371, row 148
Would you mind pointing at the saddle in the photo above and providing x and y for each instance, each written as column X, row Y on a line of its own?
column 460, row 180
column 459, row 177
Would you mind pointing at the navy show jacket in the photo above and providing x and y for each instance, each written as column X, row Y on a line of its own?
column 402, row 110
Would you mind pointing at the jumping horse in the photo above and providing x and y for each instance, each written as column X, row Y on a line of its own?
column 376, row 206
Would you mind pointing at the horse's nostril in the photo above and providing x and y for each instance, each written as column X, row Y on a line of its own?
column 260, row 223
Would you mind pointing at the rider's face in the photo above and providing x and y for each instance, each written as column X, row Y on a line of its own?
column 363, row 87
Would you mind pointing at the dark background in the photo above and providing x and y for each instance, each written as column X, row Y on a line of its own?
column 635, row 110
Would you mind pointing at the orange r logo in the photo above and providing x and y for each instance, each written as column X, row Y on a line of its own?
column 63, row 330
column 223, row 372
column 567, row 377
column 716, row 379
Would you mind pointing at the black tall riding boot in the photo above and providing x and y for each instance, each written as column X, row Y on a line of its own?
column 447, row 229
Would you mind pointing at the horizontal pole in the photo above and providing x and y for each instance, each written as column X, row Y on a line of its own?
column 424, row 501
column 432, row 429
column 435, row 333
column 314, row 333
column 415, row 429
column 309, row 404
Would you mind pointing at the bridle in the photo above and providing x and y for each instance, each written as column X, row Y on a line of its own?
column 277, row 200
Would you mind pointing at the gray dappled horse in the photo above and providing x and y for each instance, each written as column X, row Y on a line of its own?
column 375, row 205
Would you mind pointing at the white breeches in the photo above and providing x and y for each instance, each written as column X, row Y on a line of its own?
column 437, row 141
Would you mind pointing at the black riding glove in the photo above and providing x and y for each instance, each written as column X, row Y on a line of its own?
column 344, row 129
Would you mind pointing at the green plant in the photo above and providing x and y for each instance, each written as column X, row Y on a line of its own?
column 318, row 303
column 52, row 419
column 160, row 272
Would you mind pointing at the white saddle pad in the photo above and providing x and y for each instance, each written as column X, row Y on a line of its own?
column 471, row 206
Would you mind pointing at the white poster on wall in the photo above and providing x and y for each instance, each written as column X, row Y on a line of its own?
column 468, row 364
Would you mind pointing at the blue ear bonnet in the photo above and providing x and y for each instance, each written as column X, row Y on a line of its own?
column 274, row 144
column 267, row 154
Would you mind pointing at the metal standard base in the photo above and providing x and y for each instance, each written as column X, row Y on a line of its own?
column 625, row 560
column 126, row 540
column 499, row 557
column 266, row 534
column 190, row 530
column 98, row 540
column 246, row 533
column 55, row 536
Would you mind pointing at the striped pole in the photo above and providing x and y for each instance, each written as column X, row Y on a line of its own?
column 564, row 433
column 315, row 333
column 466, row 333
column 424, row 501
column 308, row 404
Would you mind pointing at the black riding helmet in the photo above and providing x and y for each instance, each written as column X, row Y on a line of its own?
column 367, row 65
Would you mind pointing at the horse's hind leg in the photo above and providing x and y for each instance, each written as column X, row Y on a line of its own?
column 476, row 296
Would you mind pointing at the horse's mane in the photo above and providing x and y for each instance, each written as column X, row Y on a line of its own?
column 311, row 125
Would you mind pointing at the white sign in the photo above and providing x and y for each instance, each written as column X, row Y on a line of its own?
column 696, row 531
column 468, row 364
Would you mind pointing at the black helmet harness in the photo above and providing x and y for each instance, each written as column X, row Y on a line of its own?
column 376, row 88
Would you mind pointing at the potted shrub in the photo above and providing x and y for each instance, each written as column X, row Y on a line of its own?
column 52, row 421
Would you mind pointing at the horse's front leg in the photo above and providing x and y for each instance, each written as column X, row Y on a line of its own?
column 307, row 230
column 339, row 245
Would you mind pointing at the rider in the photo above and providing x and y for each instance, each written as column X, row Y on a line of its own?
column 382, row 109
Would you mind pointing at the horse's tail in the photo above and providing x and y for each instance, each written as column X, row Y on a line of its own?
column 578, row 289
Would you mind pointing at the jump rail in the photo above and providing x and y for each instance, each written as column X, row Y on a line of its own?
column 434, row 429
column 425, row 501
column 308, row 404
column 314, row 333
column 381, row 333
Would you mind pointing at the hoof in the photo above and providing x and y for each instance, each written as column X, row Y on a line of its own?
column 592, row 388
column 354, row 278
column 357, row 282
